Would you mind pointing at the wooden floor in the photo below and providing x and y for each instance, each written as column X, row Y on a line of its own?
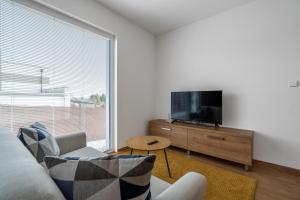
column 273, row 182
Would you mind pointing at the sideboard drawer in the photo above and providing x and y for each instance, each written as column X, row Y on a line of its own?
column 178, row 137
column 221, row 145
column 160, row 129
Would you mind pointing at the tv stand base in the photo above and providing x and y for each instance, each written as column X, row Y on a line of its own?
column 188, row 152
column 226, row 143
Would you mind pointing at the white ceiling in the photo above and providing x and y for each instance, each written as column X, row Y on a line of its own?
column 160, row 16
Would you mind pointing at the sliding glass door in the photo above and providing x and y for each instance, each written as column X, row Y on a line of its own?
column 53, row 72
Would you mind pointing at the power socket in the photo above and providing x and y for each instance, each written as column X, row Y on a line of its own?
column 293, row 83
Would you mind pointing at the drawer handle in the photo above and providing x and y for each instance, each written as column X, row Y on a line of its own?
column 216, row 138
column 166, row 129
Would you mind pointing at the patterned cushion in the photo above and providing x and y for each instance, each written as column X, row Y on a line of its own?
column 38, row 141
column 114, row 177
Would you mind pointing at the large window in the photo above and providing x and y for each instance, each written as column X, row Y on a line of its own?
column 53, row 72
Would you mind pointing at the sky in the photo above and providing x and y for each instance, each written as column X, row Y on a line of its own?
column 70, row 56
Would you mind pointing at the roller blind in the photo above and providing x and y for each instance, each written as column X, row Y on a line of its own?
column 52, row 72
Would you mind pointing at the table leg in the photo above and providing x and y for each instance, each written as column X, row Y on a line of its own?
column 131, row 151
column 167, row 163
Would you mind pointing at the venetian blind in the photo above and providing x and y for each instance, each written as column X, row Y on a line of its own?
column 52, row 72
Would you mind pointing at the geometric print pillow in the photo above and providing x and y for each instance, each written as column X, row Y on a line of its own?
column 114, row 177
column 38, row 141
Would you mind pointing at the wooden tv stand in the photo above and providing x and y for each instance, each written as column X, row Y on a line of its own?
column 227, row 143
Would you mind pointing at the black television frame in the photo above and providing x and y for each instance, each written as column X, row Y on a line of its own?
column 216, row 123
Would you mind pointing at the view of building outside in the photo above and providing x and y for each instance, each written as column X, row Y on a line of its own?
column 51, row 72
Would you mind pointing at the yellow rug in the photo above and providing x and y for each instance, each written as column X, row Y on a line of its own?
column 222, row 184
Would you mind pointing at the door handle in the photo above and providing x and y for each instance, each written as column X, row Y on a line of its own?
column 166, row 129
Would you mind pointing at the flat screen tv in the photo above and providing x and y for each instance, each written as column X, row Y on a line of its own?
column 197, row 107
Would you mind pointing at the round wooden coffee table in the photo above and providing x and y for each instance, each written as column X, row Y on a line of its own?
column 141, row 143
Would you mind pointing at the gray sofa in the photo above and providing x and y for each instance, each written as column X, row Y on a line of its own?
column 23, row 178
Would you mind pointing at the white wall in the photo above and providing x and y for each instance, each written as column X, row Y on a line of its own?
column 135, row 70
column 249, row 52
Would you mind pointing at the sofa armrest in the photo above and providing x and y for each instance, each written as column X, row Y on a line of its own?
column 191, row 186
column 71, row 142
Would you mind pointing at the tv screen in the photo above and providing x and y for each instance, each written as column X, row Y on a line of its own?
column 198, row 106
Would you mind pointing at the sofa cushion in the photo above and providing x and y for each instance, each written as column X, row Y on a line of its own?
column 85, row 153
column 21, row 177
column 53, row 146
column 113, row 177
column 38, row 141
